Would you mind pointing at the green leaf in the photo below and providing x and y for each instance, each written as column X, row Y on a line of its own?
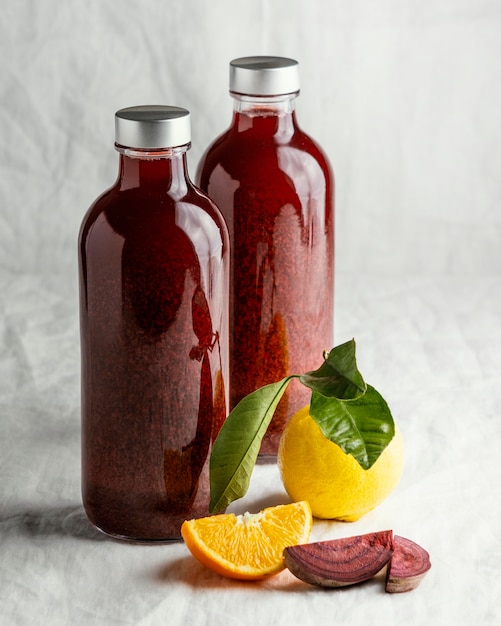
column 362, row 427
column 338, row 376
column 237, row 445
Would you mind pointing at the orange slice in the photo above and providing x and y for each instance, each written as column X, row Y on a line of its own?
column 248, row 546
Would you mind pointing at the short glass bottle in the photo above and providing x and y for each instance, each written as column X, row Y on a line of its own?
column 154, row 271
column 275, row 188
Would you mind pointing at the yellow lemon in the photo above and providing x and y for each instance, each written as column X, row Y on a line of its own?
column 315, row 469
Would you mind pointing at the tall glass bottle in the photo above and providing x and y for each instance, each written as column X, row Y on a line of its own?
column 275, row 187
column 154, row 271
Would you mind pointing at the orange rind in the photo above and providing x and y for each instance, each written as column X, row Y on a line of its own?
column 248, row 546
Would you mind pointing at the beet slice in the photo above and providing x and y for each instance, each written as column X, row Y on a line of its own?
column 408, row 565
column 340, row 562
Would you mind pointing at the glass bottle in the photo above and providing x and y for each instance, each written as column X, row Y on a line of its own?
column 153, row 270
column 275, row 188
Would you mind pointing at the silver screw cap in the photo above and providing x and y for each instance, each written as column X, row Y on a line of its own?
column 152, row 126
column 264, row 76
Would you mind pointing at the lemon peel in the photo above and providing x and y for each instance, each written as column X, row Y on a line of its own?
column 316, row 469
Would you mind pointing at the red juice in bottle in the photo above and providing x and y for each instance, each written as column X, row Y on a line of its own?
column 154, row 271
column 275, row 188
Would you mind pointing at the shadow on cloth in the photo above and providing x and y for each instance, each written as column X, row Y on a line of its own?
column 188, row 571
column 50, row 522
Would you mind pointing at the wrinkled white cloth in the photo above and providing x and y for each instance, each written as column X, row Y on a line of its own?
column 431, row 347
column 405, row 98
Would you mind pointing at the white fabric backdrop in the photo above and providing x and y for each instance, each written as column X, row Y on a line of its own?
column 405, row 98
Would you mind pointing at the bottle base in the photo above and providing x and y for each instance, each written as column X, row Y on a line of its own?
column 266, row 459
column 145, row 525
column 136, row 540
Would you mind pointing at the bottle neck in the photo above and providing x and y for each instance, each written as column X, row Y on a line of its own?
column 274, row 113
column 166, row 169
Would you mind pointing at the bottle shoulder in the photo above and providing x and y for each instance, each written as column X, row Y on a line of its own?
column 234, row 145
column 313, row 147
column 153, row 214
column 234, row 158
column 106, row 199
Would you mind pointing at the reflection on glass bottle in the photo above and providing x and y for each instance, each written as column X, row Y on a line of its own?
column 275, row 188
column 154, row 327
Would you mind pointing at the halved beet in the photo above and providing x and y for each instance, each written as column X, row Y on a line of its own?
column 340, row 562
column 408, row 565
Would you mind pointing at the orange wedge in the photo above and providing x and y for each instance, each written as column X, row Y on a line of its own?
column 248, row 546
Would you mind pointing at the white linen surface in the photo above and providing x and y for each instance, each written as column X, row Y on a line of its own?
column 405, row 98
